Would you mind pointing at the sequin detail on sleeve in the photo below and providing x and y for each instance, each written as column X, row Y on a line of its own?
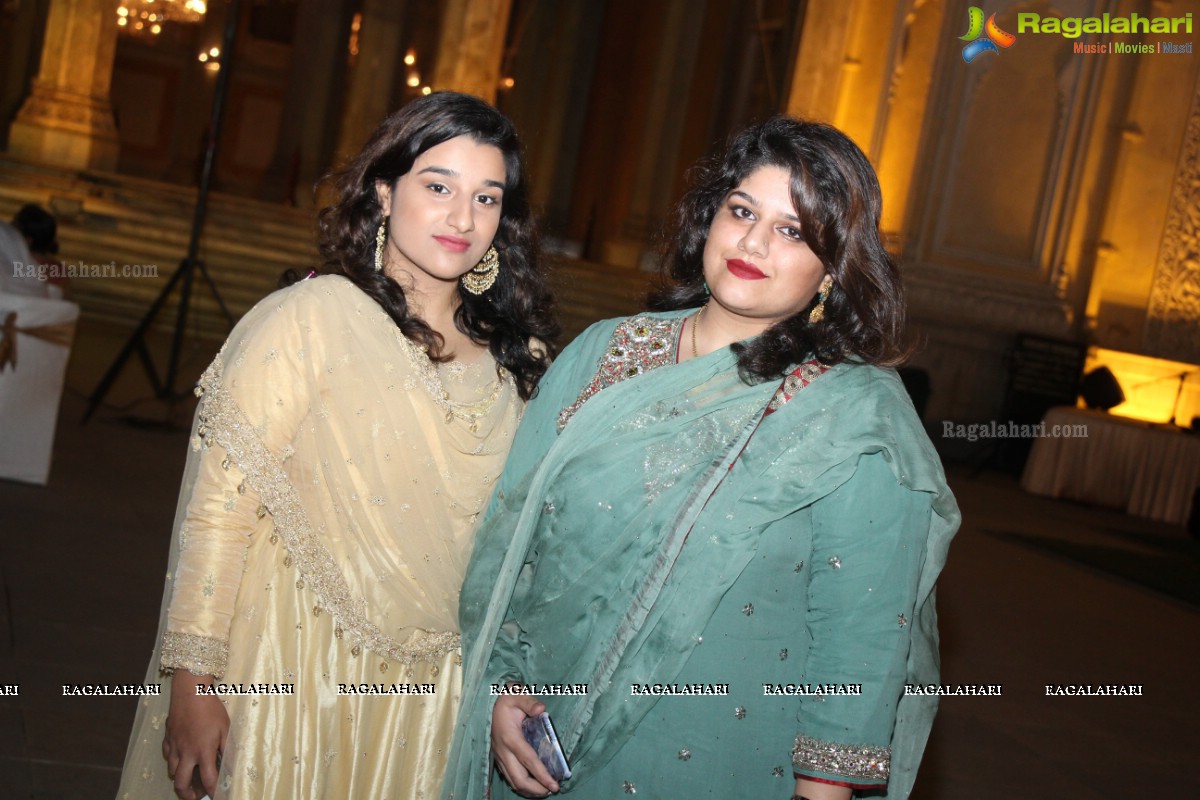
column 638, row 344
column 199, row 655
column 223, row 423
column 846, row 760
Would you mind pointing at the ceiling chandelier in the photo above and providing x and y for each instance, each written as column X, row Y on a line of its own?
column 146, row 17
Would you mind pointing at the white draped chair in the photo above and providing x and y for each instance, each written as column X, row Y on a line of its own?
column 35, row 343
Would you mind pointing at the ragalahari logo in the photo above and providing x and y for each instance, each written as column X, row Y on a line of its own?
column 983, row 37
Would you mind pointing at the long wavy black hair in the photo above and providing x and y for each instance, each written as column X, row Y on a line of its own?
column 518, row 307
column 836, row 196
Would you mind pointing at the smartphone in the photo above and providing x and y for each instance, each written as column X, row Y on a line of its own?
column 539, row 732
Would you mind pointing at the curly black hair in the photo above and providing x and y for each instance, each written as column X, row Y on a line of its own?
column 517, row 310
column 837, row 198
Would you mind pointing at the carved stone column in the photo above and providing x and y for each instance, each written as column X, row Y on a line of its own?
column 1173, row 313
column 68, row 118
column 472, row 46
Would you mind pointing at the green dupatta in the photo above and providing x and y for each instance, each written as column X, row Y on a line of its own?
column 613, row 597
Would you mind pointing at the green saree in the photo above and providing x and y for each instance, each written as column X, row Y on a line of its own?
column 741, row 575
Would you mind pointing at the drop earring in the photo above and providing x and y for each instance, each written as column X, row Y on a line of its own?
column 483, row 275
column 818, row 312
column 380, row 243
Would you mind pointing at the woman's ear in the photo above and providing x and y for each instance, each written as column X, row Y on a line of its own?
column 383, row 192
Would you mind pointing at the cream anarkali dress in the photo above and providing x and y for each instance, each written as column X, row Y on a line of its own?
column 323, row 530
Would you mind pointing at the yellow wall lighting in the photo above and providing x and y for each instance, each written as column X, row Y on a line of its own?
column 1151, row 385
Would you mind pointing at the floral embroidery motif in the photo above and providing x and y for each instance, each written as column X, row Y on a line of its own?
column 637, row 345
column 848, row 760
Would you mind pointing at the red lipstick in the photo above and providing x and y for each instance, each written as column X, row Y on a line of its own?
column 745, row 270
column 454, row 244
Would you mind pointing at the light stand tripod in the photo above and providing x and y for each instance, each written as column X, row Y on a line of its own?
column 185, row 273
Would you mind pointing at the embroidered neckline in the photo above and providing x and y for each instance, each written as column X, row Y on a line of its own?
column 638, row 344
column 468, row 412
column 643, row 343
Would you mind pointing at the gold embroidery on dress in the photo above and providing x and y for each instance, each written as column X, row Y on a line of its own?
column 200, row 655
column 470, row 413
column 225, row 425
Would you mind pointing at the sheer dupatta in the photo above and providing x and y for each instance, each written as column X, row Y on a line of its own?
column 697, row 471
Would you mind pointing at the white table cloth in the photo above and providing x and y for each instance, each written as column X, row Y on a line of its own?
column 1145, row 469
column 35, row 340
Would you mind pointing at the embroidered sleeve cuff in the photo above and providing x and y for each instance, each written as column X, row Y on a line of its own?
column 199, row 655
column 858, row 764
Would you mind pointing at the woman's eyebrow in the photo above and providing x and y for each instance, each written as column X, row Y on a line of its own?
column 449, row 173
column 753, row 202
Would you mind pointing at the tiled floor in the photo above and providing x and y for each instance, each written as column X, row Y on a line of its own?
column 82, row 560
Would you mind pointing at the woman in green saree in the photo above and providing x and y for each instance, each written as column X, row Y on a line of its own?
column 712, row 553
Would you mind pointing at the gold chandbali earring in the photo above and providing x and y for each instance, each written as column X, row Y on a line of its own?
column 818, row 312
column 483, row 275
column 380, row 244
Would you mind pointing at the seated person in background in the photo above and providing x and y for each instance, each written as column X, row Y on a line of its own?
column 18, row 268
column 40, row 230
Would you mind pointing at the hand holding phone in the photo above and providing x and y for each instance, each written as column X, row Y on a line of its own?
column 539, row 732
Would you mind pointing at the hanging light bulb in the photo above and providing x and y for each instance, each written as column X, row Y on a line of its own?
column 147, row 17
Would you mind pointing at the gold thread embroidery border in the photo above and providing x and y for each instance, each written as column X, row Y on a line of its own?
column 847, row 760
column 199, row 655
column 223, row 422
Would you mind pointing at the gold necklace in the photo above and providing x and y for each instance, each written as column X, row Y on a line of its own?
column 696, row 321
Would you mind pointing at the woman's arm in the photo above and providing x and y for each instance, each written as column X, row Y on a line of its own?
column 868, row 547
column 256, row 384
column 197, row 727
column 813, row 790
column 215, row 536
